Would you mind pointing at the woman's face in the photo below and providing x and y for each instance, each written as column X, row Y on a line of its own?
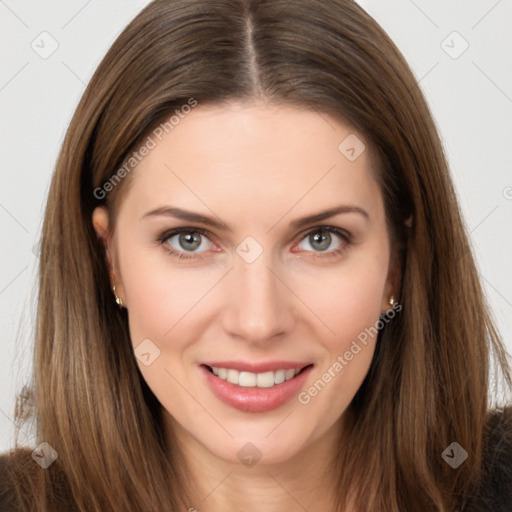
column 252, row 244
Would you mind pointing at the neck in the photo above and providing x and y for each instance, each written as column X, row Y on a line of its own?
column 306, row 481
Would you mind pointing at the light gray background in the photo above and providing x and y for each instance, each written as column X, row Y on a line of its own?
column 470, row 96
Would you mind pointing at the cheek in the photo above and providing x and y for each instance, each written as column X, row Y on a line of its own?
column 346, row 299
column 348, row 302
column 164, row 305
column 351, row 309
column 158, row 294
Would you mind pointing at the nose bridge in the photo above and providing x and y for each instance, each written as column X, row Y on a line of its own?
column 258, row 305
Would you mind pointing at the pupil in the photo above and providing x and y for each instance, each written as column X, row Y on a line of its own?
column 322, row 239
column 190, row 240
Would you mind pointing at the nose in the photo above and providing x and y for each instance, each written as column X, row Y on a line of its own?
column 259, row 306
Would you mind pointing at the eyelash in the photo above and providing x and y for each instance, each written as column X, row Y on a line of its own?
column 345, row 236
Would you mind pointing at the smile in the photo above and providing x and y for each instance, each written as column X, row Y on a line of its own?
column 255, row 391
column 249, row 379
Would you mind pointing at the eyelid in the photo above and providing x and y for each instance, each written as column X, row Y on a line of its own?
column 325, row 227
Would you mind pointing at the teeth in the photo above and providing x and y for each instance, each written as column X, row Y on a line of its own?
column 246, row 379
column 233, row 376
column 279, row 376
column 250, row 380
column 289, row 374
column 265, row 380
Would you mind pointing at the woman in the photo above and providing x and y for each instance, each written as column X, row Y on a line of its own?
column 256, row 291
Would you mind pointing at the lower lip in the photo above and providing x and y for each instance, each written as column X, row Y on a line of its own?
column 255, row 399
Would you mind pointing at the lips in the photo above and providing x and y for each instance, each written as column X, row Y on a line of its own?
column 255, row 387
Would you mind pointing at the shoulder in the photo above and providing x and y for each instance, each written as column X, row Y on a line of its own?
column 9, row 469
column 495, row 489
column 23, row 484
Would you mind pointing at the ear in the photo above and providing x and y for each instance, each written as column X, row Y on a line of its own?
column 100, row 221
column 393, row 282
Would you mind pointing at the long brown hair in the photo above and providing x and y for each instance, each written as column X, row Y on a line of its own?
column 428, row 384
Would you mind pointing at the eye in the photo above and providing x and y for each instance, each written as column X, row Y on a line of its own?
column 181, row 241
column 325, row 239
column 185, row 243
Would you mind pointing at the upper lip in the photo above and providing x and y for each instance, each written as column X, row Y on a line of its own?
column 268, row 366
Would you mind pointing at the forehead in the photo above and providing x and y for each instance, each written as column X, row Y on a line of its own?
column 255, row 161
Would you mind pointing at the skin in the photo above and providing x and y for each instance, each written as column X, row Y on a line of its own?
column 257, row 169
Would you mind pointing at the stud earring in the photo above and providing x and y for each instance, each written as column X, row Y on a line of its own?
column 392, row 301
column 119, row 301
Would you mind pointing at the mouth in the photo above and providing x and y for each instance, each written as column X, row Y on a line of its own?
column 247, row 379
column 267, row 387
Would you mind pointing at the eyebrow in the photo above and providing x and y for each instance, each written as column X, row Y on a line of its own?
column 189, row 216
